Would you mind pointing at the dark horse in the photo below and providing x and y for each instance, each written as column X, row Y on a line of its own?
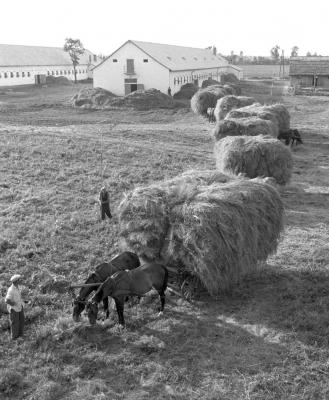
column 124, row 261
column 136, row 282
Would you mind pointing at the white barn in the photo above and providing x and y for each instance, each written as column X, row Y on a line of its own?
column 26, row 65
column 143, row 65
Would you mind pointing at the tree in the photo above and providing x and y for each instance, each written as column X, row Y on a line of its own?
column 275, row 53
column 294, row 51
column 308, row 54
column 75, row 48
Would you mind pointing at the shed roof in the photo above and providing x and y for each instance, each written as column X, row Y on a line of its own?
column 309, row 65
column 178, row 58
column 19, row 55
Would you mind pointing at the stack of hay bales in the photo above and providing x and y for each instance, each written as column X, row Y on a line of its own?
column 217, row 228
column 207, row 98
column 228, row 103
column 94, row 98
column 276, row 113
column 186, row 91
column 257, row 156
column 251, row 126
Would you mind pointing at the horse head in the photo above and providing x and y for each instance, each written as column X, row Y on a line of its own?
column 78, row 306
column 92, row 311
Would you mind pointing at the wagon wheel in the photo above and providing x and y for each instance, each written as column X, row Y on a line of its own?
column 291, row 90
column 189, row 288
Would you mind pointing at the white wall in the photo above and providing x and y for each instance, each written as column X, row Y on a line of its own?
column 110, row 75
column 37, row 70
column 180, row 78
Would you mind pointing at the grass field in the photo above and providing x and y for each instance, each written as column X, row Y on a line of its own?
column 269, row 339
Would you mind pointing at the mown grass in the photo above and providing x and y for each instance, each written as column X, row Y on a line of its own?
column 267, row 340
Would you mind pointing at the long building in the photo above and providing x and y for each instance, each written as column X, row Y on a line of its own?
column 26, row 65
column 309, row 71
column 144, row 65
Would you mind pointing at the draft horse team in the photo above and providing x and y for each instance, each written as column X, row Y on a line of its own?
column 122, row 277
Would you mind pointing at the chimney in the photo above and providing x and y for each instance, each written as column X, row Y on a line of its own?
column 214, row 50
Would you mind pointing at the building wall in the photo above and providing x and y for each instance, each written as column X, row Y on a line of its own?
column 308, row 81
column 264, row 71
column 111, row 75
column 180, row 78
column 15, row 74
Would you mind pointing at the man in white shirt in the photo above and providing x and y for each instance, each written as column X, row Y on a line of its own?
column 15, row 307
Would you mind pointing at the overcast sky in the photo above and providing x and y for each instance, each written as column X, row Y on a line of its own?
column 251, row 26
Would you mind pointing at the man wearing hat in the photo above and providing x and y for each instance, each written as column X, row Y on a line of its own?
column 104, row 202
column 15, row 307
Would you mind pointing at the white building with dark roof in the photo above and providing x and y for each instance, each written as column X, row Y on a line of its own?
column 26, row 65
column 143, row 65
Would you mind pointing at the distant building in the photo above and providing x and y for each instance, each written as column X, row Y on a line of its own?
column 26, row 65
column 309, row 71
column 143, row 65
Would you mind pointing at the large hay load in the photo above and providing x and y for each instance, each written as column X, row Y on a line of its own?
column 251, row 126
column 256, row 156
column 276, row 113
column 228, row 103
column 209, row 82
column 93, row 98
column 58, row 80
column 228, row 78
column 207, row 98
column 186, row 91
column 214, row 227
column 145, row 100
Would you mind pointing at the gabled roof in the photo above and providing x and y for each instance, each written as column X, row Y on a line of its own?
column 18, row 55
column 309, row 65
column 178, row 58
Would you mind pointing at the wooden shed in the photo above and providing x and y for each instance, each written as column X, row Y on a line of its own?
column 309, row 71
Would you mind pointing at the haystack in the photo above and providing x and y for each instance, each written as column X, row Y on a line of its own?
column 228, row 78
column 276, row 113
column 228, row 103
column 93, row 98
column 186, row 91
column 145, row 100
column 251, row 126
column 207, row 98
column 217, row 228
column 209, row 82
column 254, row 156
column 58, row 80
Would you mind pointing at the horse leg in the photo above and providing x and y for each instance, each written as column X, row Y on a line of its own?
column 119, row 303
column 163, row 289
column 106, row 307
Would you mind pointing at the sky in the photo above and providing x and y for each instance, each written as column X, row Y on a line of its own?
column 251, row 26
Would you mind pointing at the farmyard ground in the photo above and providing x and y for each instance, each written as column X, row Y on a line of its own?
column 268, row 340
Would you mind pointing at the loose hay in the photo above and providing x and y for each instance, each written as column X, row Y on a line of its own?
column 228, row 103
column 186, row 91
column 252, row 126
column 216, row 227
column 145, row 100
column 254, row 156
column 94, row 98
column 276, row 113
column 207, row 98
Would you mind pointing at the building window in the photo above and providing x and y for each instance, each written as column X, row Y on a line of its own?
column 11, row 74
column 64, row 72
column 17, row 74
column 28, row 74
column 183, row 58
column 145, row 60
column 23, row 74
column 89, row 58
column 69, row 72
column 5, row 75
column 52, row 73
column 169, row 58
column 56, row 72
column 115, row 60
column 95, row 58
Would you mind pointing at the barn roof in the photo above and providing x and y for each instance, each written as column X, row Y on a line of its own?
column 309, row 65
column 178, row 58
column 18, row 55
